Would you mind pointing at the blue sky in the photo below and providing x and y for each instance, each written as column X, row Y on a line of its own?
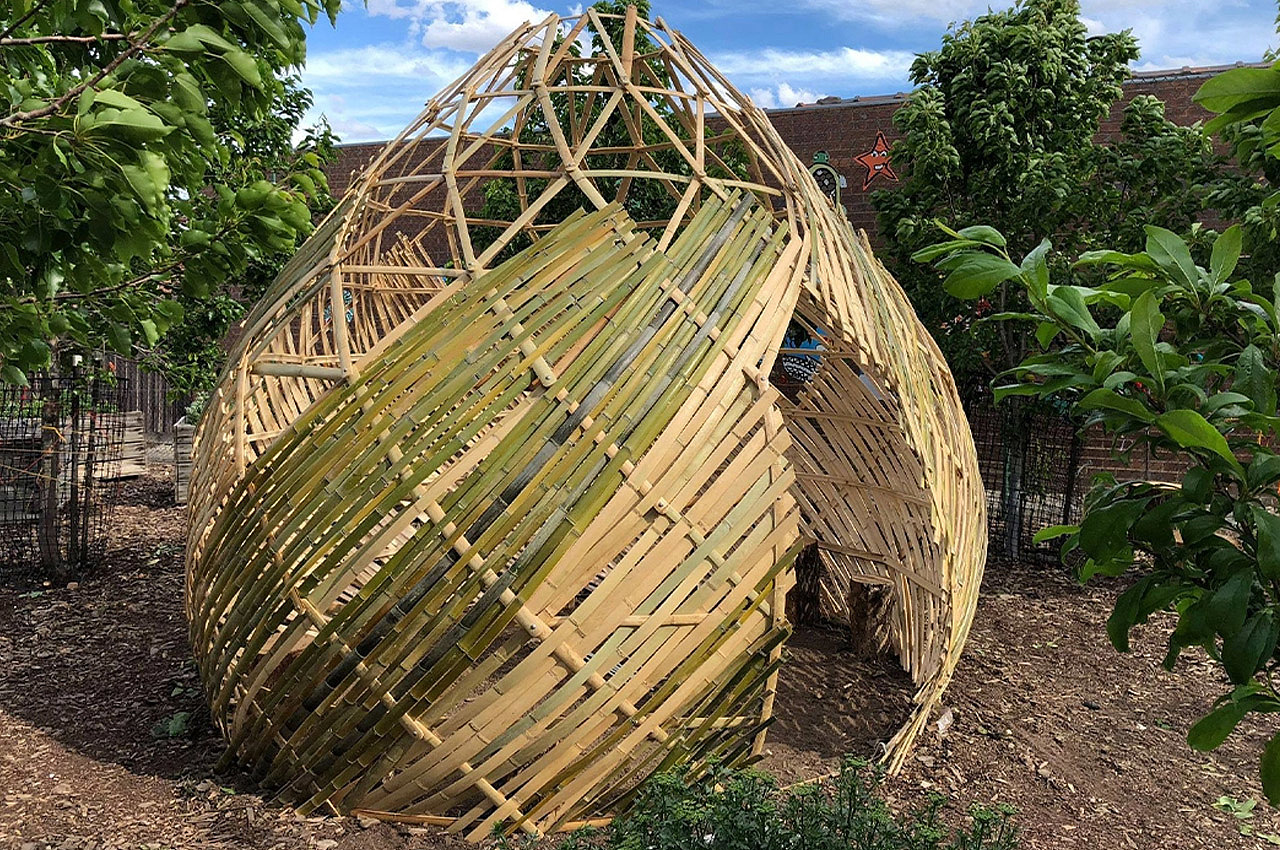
column 373, row 72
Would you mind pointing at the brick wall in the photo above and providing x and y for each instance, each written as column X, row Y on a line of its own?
column 1097, row 455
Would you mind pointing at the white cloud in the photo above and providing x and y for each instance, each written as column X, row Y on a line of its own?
column 842, row 62
column 354, row 65
column 1174, row 33
column 903, row 13
column 781, row 97
column 1171, row 33
column 373, row 92
column 472, row 26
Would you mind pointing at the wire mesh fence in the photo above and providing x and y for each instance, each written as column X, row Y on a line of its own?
column 1029, row 458
column 61, row 439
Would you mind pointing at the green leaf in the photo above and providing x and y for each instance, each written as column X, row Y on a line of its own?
column 1125, row 615
column 1172, row 255
column 208, row 37
column 1227, row 608
column 1155, row 527
column 1053, row 532
column 119, row 339
column 169, row 310
column 984, row 234
column 977, row 274
column 1244, row 652
column 149, row 331
column 1015, row 389
column 1226, row 253
column 1139, row 262
column 1046, row 332
column 1136, row 605
column 1191, row 431
column 1253, row 379
column 1212, row 729
column 184, row 43
column 188, row 95
column 1230, row 89
column 1268, row 542
column 11, row 374
column 1117, row 379
column 1068, row 304
column 244, row 66
column 1145, row 324
column 1275, row 301
column 1111, row 400
column 1104, row 530
column 1217, row 401
column 1271, row 770
column 1200, row 528
column 1132, row 286
column 137, row 124
column 149, row 179
column 1264, row 471
column 269, row 25
column 1035, row 270
column 118, row 99
column 142, row 186
column 1197, row 485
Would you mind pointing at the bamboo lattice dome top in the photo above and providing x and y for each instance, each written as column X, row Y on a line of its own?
column 495, row 509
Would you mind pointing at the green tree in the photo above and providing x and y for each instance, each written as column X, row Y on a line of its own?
column 1245, row 193
column 127, row 180
column 119, row 149
column 192, row 353
column 1182, row 358
column 1002, row 129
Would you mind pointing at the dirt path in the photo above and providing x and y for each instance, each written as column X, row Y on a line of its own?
column 104, row 741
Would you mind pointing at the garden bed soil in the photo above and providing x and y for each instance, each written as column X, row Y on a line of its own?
column 105, row 741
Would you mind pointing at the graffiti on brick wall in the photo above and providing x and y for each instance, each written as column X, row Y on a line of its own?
column 876, row 161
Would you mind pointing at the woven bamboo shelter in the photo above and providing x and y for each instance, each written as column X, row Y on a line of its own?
column 495, row 510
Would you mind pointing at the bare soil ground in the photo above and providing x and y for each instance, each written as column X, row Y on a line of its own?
column 105, row 742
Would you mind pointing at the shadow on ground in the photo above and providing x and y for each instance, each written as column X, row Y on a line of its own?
column 103, row 665
column 832, row 703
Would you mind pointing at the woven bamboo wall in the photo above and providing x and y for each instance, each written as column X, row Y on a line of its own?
column 488, row 538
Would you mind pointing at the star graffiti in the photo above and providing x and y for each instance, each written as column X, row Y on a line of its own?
column 876, row 161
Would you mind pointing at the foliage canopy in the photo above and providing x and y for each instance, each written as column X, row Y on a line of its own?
column 129, row 165
column 1002, row 130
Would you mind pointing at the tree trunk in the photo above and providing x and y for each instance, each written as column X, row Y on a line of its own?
column 1015, row 457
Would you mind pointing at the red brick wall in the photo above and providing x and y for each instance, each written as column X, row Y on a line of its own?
column 1124, row 462
column 848, row 128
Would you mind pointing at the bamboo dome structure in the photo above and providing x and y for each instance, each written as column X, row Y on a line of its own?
column 495, row 509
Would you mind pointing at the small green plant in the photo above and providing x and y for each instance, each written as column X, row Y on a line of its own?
column 727, row 809
column 1243, row 812
column 195, row 409
column 177, row 725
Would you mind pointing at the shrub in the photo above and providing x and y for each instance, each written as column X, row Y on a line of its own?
column 1183, row 359
column 746, row 810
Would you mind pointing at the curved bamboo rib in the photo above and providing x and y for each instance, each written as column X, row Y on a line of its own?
column 493, row 517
